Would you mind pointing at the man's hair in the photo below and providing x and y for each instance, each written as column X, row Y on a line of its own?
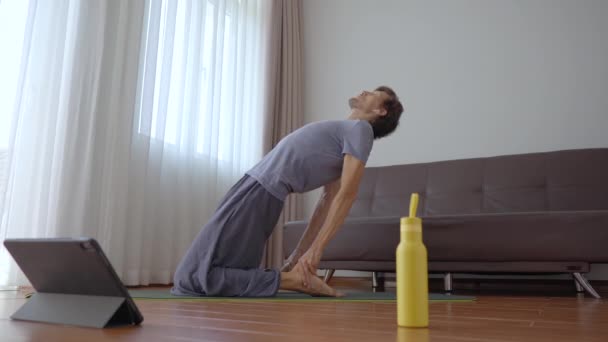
column 387, row 124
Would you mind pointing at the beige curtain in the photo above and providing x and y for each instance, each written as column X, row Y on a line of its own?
column 284, row 103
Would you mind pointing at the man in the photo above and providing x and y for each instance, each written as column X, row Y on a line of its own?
column 224, row 258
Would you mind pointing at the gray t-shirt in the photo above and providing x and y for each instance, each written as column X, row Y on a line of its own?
column 312, row 156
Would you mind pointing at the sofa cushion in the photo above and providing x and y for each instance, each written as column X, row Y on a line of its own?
column 534, row 236
column 453, row 187
column 547, row 181
column 578, row 180
column 515, row 184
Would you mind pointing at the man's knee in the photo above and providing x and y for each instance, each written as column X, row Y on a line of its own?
column 231, row 282
column 215, row 282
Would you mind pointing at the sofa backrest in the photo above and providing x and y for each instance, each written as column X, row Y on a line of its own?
column 548, row 181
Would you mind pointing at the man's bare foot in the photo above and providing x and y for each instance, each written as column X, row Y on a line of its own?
column 287, row 266
column 320, row 288
column 291, row 262
column 294, row 281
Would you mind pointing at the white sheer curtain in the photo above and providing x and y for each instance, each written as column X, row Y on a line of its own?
column 130, row 120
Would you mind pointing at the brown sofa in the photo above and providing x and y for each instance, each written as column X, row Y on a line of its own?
column 529, row 213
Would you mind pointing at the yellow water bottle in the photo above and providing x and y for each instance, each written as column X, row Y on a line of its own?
column 412, row 273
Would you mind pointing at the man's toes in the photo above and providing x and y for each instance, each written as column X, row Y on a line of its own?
column 323, row 289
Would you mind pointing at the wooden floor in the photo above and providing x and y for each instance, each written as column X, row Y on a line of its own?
column 504, row 317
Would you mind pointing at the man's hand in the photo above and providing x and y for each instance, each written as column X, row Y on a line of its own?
column 303, row 274
column 310, row 260
column 306, row 267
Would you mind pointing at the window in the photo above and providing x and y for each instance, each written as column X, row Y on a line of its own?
column 13, row 17
column 188, row 73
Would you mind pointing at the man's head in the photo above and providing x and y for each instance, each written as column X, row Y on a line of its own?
column 380, row 107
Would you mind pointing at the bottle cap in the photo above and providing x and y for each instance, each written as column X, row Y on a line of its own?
column 411, row 224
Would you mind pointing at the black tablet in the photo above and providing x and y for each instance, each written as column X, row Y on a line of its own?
column 74, row 281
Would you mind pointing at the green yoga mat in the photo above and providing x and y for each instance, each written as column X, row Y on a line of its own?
column 299, row 297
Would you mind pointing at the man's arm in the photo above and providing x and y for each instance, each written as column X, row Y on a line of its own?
column 352, row 172
column 318, row 217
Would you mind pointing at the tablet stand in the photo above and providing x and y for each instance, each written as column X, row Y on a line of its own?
column 72, row 309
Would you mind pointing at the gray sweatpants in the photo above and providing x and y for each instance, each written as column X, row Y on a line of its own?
column 224, row 258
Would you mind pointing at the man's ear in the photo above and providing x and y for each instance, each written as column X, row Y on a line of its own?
column 380, row 111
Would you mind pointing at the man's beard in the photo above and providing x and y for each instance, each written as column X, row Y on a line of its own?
column 352, row 102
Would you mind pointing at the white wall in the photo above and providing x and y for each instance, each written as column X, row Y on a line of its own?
column 477, row 77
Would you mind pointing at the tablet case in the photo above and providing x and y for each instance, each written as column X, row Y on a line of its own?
column 75, row 283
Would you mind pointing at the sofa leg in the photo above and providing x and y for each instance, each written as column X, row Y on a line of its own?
column 585, row 284
column 329, row 273
column 579, row 287
column 447, row 282
column 378, row 280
